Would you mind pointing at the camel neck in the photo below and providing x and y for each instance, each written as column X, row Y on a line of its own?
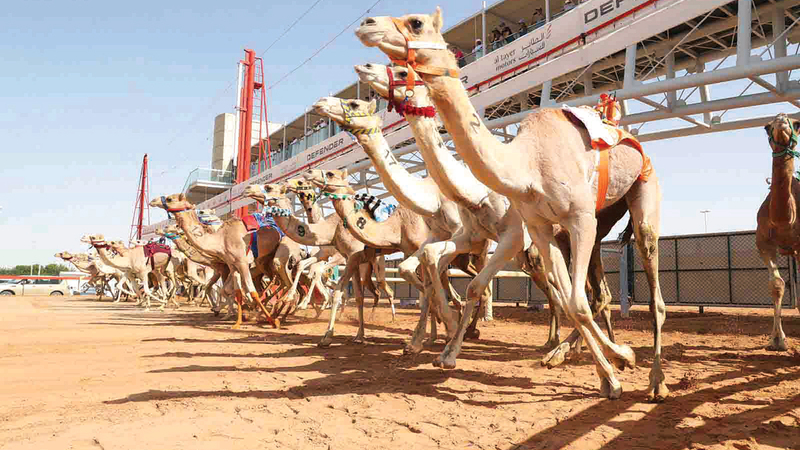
column 363, row 227
column 782, row 210
column 192, row 228
column 313, row 212
column 120, row 262
column 454, row 179
column 300, row 232
column 408, row 190
column 493, row 163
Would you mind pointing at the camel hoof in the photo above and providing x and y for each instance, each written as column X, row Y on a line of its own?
column 276, row 323
column 552, row 343
column 236, row 326
column 473, row 334
column 358, row 340
column 326, row 340
column 777, row 344
column 216, row 313
column 445, row 363
column 410, row 349
column 626, row 359
column 658, row 393
column 556, row 356
column 609, row 391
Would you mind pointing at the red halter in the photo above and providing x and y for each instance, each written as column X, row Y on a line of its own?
column 403, row 108
column 411, row 58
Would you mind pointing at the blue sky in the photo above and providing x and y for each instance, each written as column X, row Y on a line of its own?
column 88, row 87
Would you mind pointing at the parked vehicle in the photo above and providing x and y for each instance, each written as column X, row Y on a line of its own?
column 45, row 286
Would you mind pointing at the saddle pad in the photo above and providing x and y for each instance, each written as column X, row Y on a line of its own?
column 154, row 247
column 605, row 137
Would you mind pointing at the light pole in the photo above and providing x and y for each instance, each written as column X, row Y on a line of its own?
column 705, row 212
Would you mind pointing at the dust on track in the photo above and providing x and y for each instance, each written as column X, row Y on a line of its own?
column 82, row 374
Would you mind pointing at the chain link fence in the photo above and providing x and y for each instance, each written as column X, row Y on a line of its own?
column 721, row 269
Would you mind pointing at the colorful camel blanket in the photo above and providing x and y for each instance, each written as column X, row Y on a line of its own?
column 253, row 222
column 153, row 248
column 379, row 210
column 208, row 218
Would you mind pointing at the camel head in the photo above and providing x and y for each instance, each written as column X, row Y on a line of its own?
column 355, row 116
column 392, row 36
column 66, row 256
column 305, row 191
column 377, row 76
column 266, row 194
column 172, row 203
column 172, row 229
column 330, row 181
column 93, row 239
column 782, row 133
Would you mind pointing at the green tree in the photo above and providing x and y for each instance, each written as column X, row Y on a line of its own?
column 50, row 269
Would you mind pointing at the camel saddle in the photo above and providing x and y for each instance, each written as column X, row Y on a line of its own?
column 151, row 249
column 605, row 136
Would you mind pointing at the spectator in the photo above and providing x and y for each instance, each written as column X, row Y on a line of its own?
column 508, row 35
column 458, row 54
column 538, row 16
column 478, row 49
column 568, row 5
column 523, row 27
column 497, row 39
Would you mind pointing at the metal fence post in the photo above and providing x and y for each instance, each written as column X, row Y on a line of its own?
column 677, row 275
column 730, row 272
column 623, row 283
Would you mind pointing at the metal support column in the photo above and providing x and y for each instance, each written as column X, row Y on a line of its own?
column 305, row 127
column 778, row 27
column 547, row 10
column 672, row 96
column 793, row 282
column 586, row 80
column 705, row 95
column 743, row 35
column 547, row 87
column 630, row 66
column 483, row 32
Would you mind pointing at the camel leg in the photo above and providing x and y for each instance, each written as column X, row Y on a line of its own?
column 644, row 203
column 312, row 275
column 301, row 266
column 407, row 270
column 777, row 341
column 508, row 246
column 351, row 269
column 582, row 231
column 601, row 294
column 379, row 267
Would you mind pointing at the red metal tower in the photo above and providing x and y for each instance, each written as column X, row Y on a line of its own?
column 253, row 106
column 142, row 204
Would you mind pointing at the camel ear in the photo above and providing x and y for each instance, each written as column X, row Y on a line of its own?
column 344, row 172
column 373, row 106
column 438, row 21
column 181, row 197
column 796, row 125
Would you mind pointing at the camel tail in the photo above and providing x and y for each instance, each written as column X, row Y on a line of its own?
column 627, row 234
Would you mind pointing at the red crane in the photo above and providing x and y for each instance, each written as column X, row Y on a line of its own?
column 142, row 204
column 253, row 107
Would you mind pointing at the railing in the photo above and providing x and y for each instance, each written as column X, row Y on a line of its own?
column 208, row 175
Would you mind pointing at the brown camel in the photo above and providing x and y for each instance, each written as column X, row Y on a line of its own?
column 547, row 173
column 330, row 232
column 403, row 231
column 306, row 193
column 778, row 229
column 228, row 244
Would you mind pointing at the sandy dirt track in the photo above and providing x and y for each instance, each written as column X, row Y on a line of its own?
column 81, row 374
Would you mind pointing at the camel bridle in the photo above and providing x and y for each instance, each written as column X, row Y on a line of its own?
column 349, row 114
column 402, row 107
column 788, row 149
column 412, row 45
